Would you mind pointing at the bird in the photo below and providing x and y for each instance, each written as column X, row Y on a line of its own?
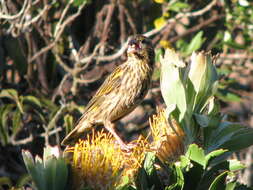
column 121, row 92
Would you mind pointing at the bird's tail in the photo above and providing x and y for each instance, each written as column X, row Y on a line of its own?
column 81, row 130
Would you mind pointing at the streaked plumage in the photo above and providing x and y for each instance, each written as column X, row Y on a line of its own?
column 120, row 93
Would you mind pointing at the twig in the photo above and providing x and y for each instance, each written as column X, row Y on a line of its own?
column 182, row 15
column 59, row 88
column 52, row 132
column 122, row 24
column 130, row 21
column 12, row 17
column 80, row 80
column 22, row 141
column 30, row 138
column 64, row 12
column 53, row 121
column 108, row 18
column 236, row 56
column 58, row 34
column 148, row 34
column 197, row 27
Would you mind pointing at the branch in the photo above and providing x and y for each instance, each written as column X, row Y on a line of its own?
column 148, row 34
column 12, row 17
column 59, row 33
column 196, row 27
column 182, row 15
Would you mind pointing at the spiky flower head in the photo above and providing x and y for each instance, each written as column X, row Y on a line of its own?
column 168, row 137
column 99, row 163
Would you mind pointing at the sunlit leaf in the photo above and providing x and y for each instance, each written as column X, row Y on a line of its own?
column 177, row 6
column 5, row 181
column 196, row 154
column 195, row 43
column 172, row 86
column 219, row 182
column 212, row 155
column 13, row 95
column 32, row 99
column 235, row 165
column 16, row 122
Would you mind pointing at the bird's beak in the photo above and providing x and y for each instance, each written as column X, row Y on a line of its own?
column 133, row 47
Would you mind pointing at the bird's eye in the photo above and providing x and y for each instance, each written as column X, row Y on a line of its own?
column 146, row 41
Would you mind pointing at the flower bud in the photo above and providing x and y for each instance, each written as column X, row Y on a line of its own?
column 203, row 79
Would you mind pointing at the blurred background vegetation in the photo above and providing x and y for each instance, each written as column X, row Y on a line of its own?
column 55, row 54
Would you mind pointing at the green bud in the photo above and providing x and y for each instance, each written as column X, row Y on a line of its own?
column 172, row 86
column 203, row 79
column 49, row 173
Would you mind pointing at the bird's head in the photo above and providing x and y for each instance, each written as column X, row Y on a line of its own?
column 140, row 47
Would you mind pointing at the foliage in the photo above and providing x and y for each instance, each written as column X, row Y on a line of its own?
column 51, row 172
column 199, row 168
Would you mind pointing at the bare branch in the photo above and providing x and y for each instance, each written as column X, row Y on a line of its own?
column 148, row 34
column 58, row 34
column 12, row 17
column 182, row 15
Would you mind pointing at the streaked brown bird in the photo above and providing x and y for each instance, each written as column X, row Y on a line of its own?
column 120, row 93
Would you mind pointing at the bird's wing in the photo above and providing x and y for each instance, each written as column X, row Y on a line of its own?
column 113, row 81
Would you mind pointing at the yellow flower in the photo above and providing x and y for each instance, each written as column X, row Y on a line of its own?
column 159, row 1
column 159, row 22
column 165, row 44
column 99, row 163
column 168, row 137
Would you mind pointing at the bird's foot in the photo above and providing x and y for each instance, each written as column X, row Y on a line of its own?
column 127, row 147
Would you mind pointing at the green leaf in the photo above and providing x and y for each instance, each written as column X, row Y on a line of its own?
column 195, row 43
column 49, row 173
column 227, row 96
column 172, row 86
column 23, row 180
column 219, row 182
column 231, row 186
column 9, row 93
column 49, row 104
column 16, row 122
column 235, row 165
column 13, row 95
column 68, row 123
column 32, row 99
column 208, row 176
column 77, row 3
column 202, row 120
column 126, row 187
column 177, row 179
column 4, row 113
column 207, row 121
column 184, row 161
column 142, row 180
column 5, row 181
column 149, row 167
column 149, row 163
column 196, row 154
column 212, row 155
column 242, row 138
column 158, row 54
column 229, row 136
column 178, row 6
column 235, row 45
column 56, row 173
